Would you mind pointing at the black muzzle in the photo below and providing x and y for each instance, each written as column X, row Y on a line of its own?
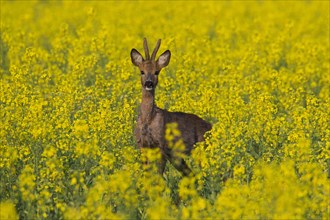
column 149, row 85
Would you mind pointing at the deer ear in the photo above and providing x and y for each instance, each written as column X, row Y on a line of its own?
column 164, row 59
column 136, row 57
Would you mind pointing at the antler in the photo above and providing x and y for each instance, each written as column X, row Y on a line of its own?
column 153, row 56
column 146, row 49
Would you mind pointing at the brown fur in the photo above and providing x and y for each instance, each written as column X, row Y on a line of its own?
column 151, row 122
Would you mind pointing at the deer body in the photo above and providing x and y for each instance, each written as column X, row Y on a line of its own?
column 151, row 122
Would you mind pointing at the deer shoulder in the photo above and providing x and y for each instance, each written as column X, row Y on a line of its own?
column 150, row 133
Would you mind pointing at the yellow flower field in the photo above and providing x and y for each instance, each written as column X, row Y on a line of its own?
column 258, row 71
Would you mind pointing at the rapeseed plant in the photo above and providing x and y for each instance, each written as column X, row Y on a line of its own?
column 69, row 95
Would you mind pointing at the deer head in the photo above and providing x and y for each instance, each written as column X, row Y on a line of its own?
column 150, row 67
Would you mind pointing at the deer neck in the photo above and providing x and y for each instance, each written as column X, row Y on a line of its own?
column 147, row 105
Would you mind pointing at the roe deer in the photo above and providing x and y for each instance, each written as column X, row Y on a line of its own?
column 151, row 122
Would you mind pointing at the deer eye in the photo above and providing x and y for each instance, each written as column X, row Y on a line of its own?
column 157, row 72
column 142, row 72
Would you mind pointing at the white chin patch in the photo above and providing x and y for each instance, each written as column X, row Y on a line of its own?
column 148, row 88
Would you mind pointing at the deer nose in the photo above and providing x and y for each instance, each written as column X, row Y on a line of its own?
column 149, row 85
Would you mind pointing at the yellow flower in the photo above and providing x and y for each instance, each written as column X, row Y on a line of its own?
column 70, row 95
column 8, row 210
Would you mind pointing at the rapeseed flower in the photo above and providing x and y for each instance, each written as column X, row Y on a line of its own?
column 258, row 71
